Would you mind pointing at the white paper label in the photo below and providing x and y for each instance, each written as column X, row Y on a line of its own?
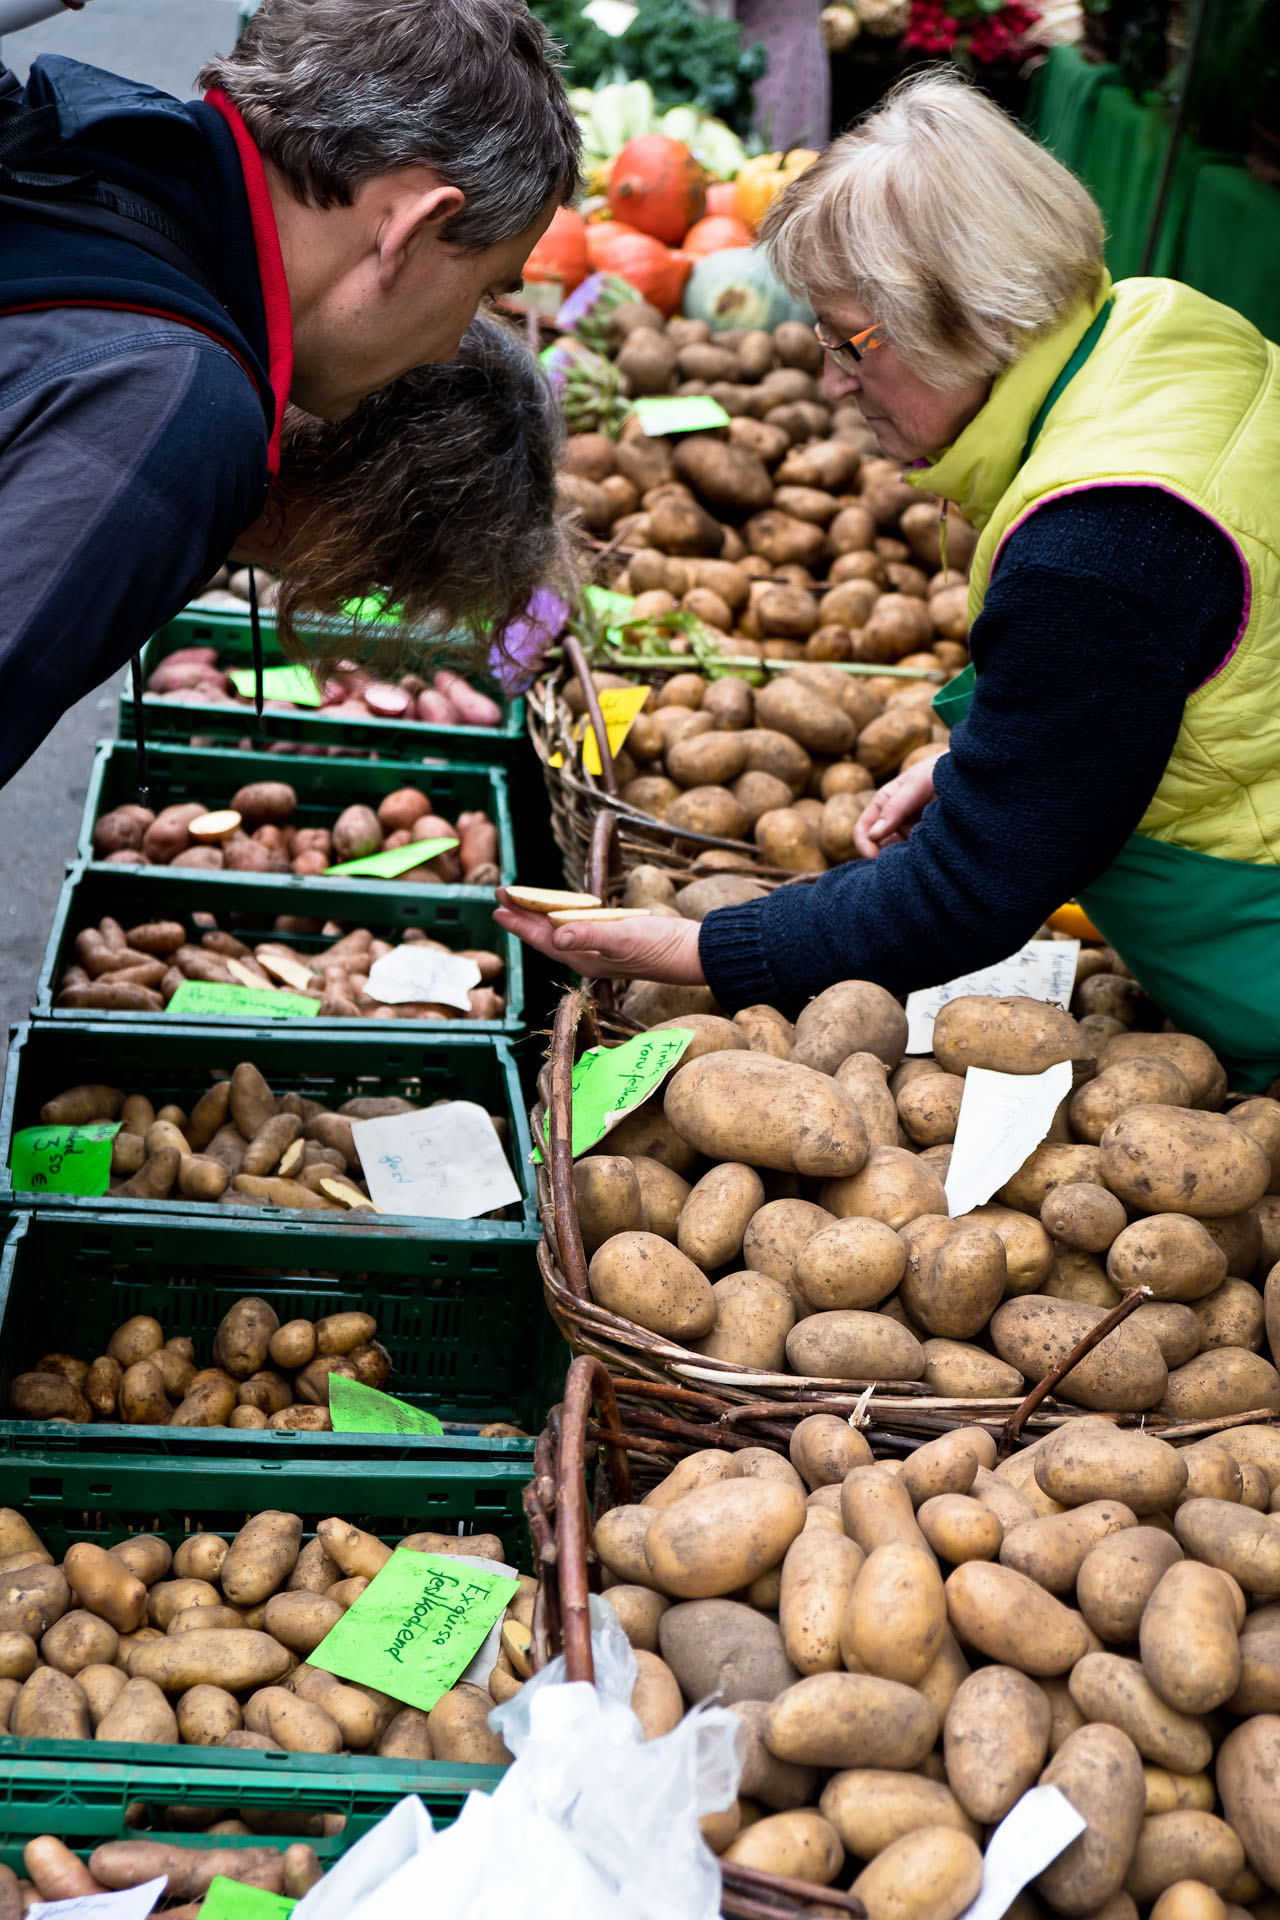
column 1003, row 1119
column 1042, row 970
column 611, row 16
column 477, row 1674
column 415, row 972
column 133, row 1903
column 1029, row 1838
column 445, row 1161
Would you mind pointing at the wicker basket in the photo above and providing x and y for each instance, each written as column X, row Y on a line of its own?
column 561, row 1516
column 889, row 1412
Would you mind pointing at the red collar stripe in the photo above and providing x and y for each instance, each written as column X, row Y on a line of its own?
column 275, row 288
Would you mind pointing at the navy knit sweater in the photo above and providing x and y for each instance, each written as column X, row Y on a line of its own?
column 1107, row 609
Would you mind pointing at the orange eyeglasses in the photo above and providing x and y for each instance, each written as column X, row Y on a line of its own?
column 847, row 353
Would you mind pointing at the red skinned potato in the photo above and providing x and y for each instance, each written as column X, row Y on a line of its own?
column 473, row 709
column 356, row 834
column 265, row 803
column 398, row 811
column 435, row 709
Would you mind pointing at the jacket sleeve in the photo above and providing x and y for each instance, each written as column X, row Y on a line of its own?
column 132, row 451
column 1107, row 609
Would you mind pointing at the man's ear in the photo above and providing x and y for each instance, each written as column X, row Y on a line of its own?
column 417, row 215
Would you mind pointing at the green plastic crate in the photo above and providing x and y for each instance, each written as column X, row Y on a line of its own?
column 177, row 1062
column 324, row 787
column 46, row 1787
column 230, row 633
column 463, row 1321
column 104, row 1498
column 248, row 904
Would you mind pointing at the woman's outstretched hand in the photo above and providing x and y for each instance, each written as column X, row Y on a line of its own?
column 896, row 808
column 654, row 948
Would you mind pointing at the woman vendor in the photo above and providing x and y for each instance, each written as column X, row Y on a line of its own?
column 1116, row 447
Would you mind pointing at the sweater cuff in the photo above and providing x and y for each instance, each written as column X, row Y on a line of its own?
column 731, row 948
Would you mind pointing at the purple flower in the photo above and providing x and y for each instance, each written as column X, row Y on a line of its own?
column 515, row 658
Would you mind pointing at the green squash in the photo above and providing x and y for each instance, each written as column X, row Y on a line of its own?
column 738, row 288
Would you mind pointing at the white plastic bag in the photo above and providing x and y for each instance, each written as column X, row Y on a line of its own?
column 590, row 1818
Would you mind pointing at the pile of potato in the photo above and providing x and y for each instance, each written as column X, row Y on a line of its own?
column 207, row 1643
column 779, row 1206
column 789, row 766
column 784, row 530
column 261, row 1373
column 193, row 674
column 139, row 969
column 241, row 1145
column 911, row 1645
column 56, row 1873
column 254, row 833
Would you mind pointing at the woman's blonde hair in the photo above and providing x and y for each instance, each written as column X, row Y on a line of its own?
column 954, row 230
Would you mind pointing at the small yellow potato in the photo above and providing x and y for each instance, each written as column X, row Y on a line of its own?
column 870, row 1808
column 206, row 1715
column 261, row 1557
column 1011, row 1619
column 818, row 1578
column 824, row 1448
column 896, row 1614
column 1186, row 1845
column 721, row 1537
column 1118, row 1576
column 1108, row 1688
column 1051, row 1550
column 1189, row 1638
column 104, row 1585
column 655, row 1698
column 932, row 1873
column 960, row 1528
column 639, row 1610
column 1189, row 1900
column 459, row 1728
column 948, row 1464
column 800, row 1845
column 850, row 1720
column 1100, row 1772
column 1248, row 1767
column 139, row 1712
column 1089, row 1460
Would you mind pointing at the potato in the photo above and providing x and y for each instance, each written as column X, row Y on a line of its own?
column 929, row 1108
column 1231, row 1316
column 1011, row 1619
column 753, row 1316
column 1223, row 1381
column 298, row 1726
column 1083, row 1216
column 1171, row 1253
column 241, row 1345
column 876, row 1510
column 639, row 1611
column 47, row 1396
column 101, row 1687
column 1259, row 1688
column 1186, row 1845
column 1173, row 1160
column 408, row 1736
column 79, row 1106
column 1188, row 1637
column 209, row 1402
column 848, row 1719
column 1051, row 1548
column 959, row 1528
column 854, row 1016
column 824, row 1448
column 300, row 1620
column 787, row 839
column 931, row 1873
column 1089, row 1460
column 1124, row 1373
column 655, row 1698
column 719, row 1538
column 1167, row 1792
column 1117, row 1577
column 995, row 1741
column 849, row 1264
column 818, row 1576
column 722, row 1645
column 1050, row 1166
column 233, row 1658
column 662, row 1195
column 105, row 1586
column 956, row 1371
column 206, row 1715
column 1108, row 1688
column 893, row 1186
column 140, row 1712
column 715, row 1217
column 768, row 1112
column 1007, row 1036
column 79, row 1639
column 458, row 1727
column 1247, row 1770
column 19, row 1655
column 896, row 1616
column 799, row 1845
column 645, row 1279
column 1235, row 1539
column 954, row 1292
column 261, row 1557
column 854, row 1346
column 50, row 1706
column 142, row 1398
column 1099, row 1771
column 607, row 1196
column 787, row 705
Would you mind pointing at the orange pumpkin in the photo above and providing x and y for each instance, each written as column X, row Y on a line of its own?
column 657, row 186
column 720, row 198
column 561, row 254
column 656, row 272
column 713, row 234
column 761, row 181
column 602, row 234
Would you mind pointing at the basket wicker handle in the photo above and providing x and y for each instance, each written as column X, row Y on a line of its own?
column 602, row 858
column 573, row 1259
column 578, row 661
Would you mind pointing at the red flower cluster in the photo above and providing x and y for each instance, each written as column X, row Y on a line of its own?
column 986, row 38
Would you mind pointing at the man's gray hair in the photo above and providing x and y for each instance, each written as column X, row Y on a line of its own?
column 334, row 92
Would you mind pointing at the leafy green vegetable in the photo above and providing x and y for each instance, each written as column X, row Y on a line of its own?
column 683, row 56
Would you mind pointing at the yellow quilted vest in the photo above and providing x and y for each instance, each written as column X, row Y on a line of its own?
column 1153, row 383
